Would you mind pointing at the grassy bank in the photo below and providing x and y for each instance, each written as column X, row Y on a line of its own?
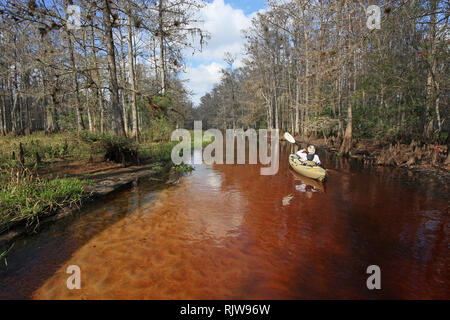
column 40, row 173
column 26, row 197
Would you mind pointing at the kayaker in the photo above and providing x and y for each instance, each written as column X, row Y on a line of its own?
column 309, row 154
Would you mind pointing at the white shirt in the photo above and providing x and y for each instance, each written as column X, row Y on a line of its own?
column 303, row 157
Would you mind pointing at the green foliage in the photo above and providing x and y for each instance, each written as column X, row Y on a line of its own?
column 46, row 148
column 107, row 140
column 157, row 152
column 164, row 102
column 50, row 151
column 157, row 166
column 206, row 138
column 158, row 129
column 67, row 121
column 116, row 148
column 24, row 197
column 443, row 136
column 183, row 168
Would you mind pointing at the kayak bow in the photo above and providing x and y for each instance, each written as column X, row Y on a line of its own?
column 307, row 168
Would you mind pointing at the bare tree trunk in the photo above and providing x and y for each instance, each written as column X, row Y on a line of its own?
column 122, row 71
column 28, row 129
column 3, row 117
column 80, row 123
column 52, row 117
column 102, row 110
column 347, row 143
column 297, row 102
column 14, row 121
column 430, row 87
column 117, row 121
column 134, row 113
column 15, row 105
column 433, row 85
column 161, row 48
column 89, row 114
column 437, row 100
column 4, row 125
column 98, row 84
column 306, row 105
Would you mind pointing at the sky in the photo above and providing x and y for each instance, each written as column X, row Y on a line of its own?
column 224, row 20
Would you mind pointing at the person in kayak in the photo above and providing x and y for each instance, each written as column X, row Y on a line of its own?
column 309, row 154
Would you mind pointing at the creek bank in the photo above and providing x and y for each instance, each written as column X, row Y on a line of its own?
column 413, row 155
column 425, row 159
column 102, row 185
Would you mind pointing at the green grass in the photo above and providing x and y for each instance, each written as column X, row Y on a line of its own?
column 69, row 146
column 206, row 138
column 183, row 168
column 157, row 152
column 25, row 197
column 157, row 166
column 158, row 130
column 50, row 148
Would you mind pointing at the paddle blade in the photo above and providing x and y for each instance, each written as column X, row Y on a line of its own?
column 288, row 137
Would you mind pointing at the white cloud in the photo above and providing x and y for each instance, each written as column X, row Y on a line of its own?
column 224, row 24
column 202, row 78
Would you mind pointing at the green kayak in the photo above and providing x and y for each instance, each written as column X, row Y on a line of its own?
column 307, row 168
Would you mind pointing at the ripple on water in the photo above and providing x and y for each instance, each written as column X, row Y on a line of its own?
column 226, row 232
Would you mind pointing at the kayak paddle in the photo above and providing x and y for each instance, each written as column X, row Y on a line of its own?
column 288, row 137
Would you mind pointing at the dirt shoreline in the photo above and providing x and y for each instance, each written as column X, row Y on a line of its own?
column 103, row 184
column 412, row 156
column 420, row 158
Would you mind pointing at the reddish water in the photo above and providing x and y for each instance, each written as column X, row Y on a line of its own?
column 226, row 232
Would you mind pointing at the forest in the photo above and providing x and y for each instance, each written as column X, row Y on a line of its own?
column 112, row 69
column 87, row 82
column 310, row 67
column 315, row 68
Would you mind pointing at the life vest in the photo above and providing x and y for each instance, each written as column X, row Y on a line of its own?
column 310, row 156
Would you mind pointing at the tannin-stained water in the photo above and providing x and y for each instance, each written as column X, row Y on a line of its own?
column 227, row 232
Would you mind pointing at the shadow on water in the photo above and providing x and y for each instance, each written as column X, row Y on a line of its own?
column 227, row 232
column 37, row 256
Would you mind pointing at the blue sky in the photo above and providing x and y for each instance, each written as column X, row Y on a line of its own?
column 224, row 20
column 248, row 6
